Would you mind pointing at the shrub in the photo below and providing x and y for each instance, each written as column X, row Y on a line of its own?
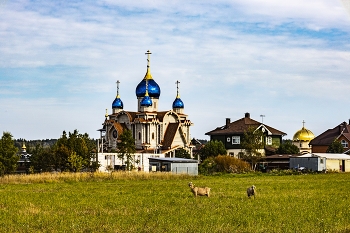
column 228, row 164
column 223, row 163
column 207, row 167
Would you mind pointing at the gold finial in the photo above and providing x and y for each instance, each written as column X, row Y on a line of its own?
column 177, row 87
column 24, row 146
column 146, row 94
column 118, row 89
column 148, row 74
column 106, row 113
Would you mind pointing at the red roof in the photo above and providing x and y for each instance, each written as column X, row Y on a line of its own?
column 327, row 137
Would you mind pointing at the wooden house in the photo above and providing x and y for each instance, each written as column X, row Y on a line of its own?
column 231, row 135
column 341, row 133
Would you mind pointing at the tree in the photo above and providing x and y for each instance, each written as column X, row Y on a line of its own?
column 288, row 147
column 252, row 144
column 41, row 158
column 126, row 148
column 335, row 147
column 182, row 153
column 212, row 149
column 77, row 143
column 75, row 162
column 8, row 157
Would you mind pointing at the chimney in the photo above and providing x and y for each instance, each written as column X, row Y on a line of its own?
column 342, row 126
column 228, row 121
column 247, row 115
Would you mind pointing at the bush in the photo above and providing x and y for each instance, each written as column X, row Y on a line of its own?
column 207, row 167
column 224, row 164
column 228, row 164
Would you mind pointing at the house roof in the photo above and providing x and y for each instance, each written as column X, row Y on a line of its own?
column 242, row 125
column 326, row 155
column 280, row 156
column 327, row 137
column 174, row 160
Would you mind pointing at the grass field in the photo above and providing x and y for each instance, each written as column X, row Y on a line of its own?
column 141, row 202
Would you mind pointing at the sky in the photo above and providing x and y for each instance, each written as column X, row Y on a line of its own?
column 286, row 60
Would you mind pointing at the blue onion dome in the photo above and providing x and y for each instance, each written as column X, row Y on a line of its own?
column 153, row 88
column 146, row 101
column 178, row 103
column 117, row 103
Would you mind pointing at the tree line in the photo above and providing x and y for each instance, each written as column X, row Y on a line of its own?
column 71, row 152
column 74, row 152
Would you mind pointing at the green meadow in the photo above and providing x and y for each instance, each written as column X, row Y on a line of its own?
column 142, row 202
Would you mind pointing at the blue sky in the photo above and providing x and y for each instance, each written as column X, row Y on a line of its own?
column 287, row 60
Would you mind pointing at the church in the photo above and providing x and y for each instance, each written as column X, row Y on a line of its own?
column 157, row 134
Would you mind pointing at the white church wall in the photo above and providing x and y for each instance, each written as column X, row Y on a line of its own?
column 141, row 160
column 153, row 136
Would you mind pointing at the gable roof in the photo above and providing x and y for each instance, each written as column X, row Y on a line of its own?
column 242, row 125
column 169, row 135
column 326, row 138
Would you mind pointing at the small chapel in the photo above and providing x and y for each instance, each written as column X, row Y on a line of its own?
column 156, row 133
column 302, row 138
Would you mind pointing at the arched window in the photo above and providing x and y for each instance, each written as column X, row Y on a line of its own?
column 344, row 143
column 139, row 135
column 152, row 136
column 269, row 140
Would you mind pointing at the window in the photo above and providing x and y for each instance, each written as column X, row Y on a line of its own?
column 139, row 135
column 269, row 140
column 228, row 139
column 236, row 140
column 152, row 136
column 344, row 143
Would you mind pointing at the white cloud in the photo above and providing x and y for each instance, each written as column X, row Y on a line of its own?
column 230, row 57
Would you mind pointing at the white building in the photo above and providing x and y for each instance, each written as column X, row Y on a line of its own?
column 156, row 133
column 322, row 162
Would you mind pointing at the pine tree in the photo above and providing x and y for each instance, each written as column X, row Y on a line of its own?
column 8, row 157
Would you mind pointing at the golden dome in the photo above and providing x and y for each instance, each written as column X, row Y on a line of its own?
column 303, row 135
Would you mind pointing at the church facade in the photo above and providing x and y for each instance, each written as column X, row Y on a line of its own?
column 156, row 133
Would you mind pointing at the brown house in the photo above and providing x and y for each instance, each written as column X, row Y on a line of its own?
column 341, row 133
column 231, row 134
